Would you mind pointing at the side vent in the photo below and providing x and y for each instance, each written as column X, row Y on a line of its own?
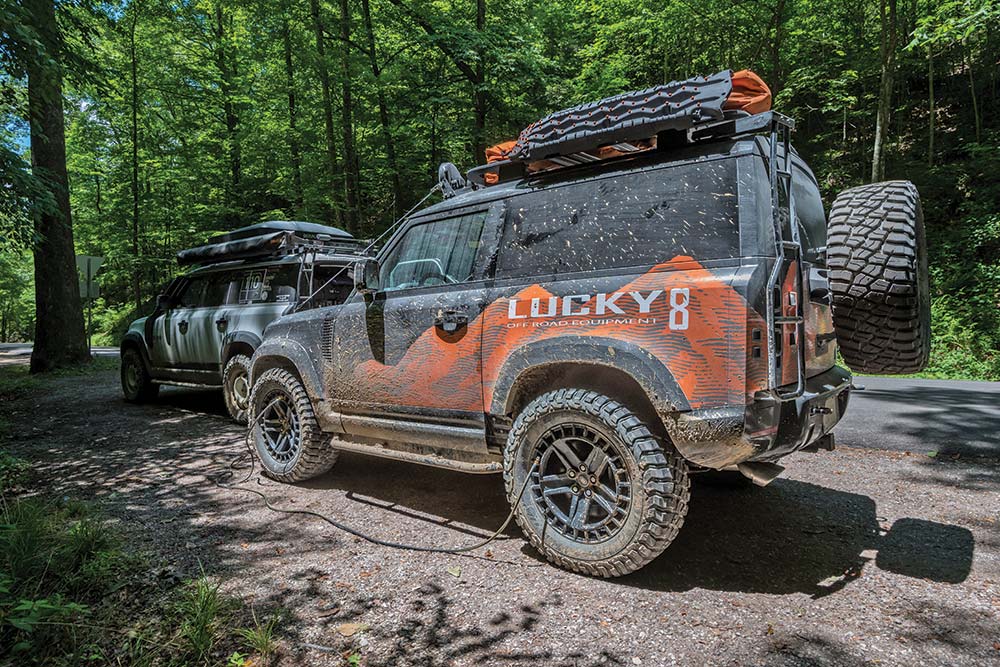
column 326, row 340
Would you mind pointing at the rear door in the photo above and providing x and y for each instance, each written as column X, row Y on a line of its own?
column 198, row 332
column 412, row 350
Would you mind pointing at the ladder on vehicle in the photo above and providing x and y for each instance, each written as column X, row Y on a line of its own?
column 785, row 307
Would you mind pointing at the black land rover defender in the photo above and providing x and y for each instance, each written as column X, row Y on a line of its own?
column 644, row 287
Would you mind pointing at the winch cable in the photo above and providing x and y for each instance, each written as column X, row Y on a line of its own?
column 221, row 481
column 371, row 245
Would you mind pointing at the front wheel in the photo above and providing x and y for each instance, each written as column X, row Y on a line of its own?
column 604, row 496
column 236, row 387
column 286, row 434
column 137, row 386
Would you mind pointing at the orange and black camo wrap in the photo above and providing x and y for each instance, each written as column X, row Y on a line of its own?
column 690, row 319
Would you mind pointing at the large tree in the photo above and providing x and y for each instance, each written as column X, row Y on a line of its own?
column 60, row 339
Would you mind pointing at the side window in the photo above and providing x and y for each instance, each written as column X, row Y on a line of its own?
column 216, row 290
column 440, row 252
column 193, row 293
column 250, row 287
column 274, row 284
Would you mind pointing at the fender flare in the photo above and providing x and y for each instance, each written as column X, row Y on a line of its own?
column 134, row 339
column 284, row 352
column 251, row 339
column 656, row 380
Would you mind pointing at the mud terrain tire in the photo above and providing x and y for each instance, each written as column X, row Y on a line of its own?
column 307, row 452
column 648, row 470
column 137, row 386
column 877, row 257
column 235, row 387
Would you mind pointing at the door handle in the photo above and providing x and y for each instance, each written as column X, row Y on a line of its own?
column 183, row 326
column 450, row 321
column 221, row 323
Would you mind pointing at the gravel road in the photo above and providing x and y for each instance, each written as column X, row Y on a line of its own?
column 857, row 557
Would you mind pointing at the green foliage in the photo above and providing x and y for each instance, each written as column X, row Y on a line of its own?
column 185, row 128
column 261, row 638
column 13, row 471
column 201, row 612
column 56, row 560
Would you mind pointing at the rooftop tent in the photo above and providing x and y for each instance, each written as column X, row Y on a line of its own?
column 267, row 238
column 306, row 230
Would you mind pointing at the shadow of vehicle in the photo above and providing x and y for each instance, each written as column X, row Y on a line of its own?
column 792, row 537
column 796, row 537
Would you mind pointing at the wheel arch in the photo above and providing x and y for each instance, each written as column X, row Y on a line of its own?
column 290, row 356
column 614, row 368
column 133, row 341
column 239, row 342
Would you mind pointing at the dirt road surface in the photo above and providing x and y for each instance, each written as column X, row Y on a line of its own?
column 857, row 557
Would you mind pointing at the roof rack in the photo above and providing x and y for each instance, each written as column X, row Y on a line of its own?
column 733, row 124
column 275, row 237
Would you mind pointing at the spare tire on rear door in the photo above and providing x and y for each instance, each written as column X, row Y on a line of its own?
column 877, row 257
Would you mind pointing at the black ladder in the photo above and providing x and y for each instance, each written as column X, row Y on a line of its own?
column 784, row 308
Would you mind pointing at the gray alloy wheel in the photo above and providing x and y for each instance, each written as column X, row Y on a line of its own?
column 604, row 496
column 137, row 386
column 286, row 435
column 236, row 387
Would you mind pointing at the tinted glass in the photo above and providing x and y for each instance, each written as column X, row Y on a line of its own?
column 275, row 284
column 636, row 219
column 192, row 295
column 434, row 253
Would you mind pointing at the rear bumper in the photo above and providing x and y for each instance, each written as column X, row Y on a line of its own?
column 766, row 429
column 778, row 428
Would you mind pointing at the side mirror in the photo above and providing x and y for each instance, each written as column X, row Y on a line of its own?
column 163, row 302
column 366, row 274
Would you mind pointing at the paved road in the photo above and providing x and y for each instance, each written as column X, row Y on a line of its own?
column 19, row 353
column 922, row 416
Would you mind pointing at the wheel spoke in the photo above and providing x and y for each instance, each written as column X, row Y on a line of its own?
column 566, row 454
column 579, row 510
column 597, row 461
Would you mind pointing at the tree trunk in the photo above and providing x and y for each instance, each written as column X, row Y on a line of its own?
column 227, row 74
column 888, row 54
column 324, row 80
column 479, row 100
column 351, row 178
column 293, row 134
column 134, row 136
column 59, row 334
column 972, row 91
column 398, row 202
column 779, row 19
column 932, row 110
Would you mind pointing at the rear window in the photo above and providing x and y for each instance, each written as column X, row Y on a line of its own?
column 637, row 219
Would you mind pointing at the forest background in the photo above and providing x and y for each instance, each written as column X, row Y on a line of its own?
column 184, row 118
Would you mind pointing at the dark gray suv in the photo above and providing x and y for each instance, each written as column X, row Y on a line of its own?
column 208, row 322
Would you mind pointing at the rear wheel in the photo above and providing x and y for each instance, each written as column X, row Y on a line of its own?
column 236, row 387
column 137, row 386
column 603, row 496
column 288, row 439
column 877, row 258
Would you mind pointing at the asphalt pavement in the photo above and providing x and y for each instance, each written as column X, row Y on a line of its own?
column 946, row 417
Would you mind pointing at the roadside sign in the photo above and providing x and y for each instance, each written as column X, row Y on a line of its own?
column 86, row 269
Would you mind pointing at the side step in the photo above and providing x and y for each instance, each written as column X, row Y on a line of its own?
column 422, row 459
column 760, row 473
